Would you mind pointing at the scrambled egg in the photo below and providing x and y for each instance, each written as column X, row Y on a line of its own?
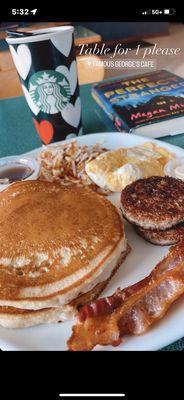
column 115, row 169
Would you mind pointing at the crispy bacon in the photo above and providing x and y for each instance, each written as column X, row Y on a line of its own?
column 131, row 310
column 107, row 305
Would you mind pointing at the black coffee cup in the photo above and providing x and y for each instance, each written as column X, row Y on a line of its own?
column 47, row 70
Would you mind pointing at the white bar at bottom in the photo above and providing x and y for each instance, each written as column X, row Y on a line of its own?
column 92, row 394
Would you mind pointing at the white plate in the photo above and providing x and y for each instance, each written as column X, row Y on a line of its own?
column 138, row 264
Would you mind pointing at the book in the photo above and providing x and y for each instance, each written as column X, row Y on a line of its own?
column 150, row 104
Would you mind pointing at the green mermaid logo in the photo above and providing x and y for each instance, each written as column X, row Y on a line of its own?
column 50, row 91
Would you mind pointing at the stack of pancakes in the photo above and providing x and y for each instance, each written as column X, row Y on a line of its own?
column 155, row 206
column 59, row 248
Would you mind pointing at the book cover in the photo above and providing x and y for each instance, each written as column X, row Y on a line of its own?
column 142, row 99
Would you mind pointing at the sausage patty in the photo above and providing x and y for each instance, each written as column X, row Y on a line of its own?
column 154, row 203
column 162, row 238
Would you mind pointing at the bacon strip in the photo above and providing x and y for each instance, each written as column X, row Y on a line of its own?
column 131, row 310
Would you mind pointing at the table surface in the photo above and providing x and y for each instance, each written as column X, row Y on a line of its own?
column 18, row 135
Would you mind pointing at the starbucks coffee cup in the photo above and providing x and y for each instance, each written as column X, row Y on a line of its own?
column 47, row 70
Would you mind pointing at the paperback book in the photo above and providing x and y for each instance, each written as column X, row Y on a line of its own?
column 150, row 104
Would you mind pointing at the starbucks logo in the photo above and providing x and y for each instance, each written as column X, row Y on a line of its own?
column 50, row 91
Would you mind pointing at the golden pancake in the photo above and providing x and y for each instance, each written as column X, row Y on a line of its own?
column 11, row 317
column 56, row 243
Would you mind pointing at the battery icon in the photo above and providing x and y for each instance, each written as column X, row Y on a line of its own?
column 169, row 11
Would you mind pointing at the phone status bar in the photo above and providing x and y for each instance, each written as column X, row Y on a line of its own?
column 156, row 11
column 60, row 12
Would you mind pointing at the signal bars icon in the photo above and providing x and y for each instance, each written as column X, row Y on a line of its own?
column 146, row 12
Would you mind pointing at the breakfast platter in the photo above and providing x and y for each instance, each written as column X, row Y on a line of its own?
column 137, row 265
